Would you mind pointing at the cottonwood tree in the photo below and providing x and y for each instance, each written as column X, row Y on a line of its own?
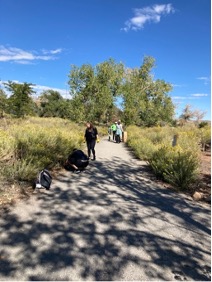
column 145, row 101
column 52, row 104
column 94, row 89
column 20, row 102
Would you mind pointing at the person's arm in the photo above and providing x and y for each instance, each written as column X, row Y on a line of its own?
column 85, row 135
column 96, row 133
column 74, row 166
column 71, row 161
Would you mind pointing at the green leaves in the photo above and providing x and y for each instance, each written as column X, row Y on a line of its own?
column 100, row 94
column 93, row 90
column 20, row 103
column 146, row 101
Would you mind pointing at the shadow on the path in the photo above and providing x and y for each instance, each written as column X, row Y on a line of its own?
column 95, row 222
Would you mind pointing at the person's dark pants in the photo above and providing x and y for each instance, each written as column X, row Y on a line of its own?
column 91, row 145
column 118, row 138
column 114, row 135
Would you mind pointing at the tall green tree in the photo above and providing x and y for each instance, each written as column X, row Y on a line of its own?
column 94, row 89
column 82, row 88
column 145, row 100
column 20, row 102
column 52, row 104
column 109, row 80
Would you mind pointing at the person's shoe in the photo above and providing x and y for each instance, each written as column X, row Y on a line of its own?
column 94, row 158
column 77, row 171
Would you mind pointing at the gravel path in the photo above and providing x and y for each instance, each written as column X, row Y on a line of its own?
column 111, row 222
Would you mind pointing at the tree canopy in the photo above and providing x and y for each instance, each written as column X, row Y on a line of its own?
column 145, row 101
column 99, row 93
column 94, row 89
column 20, row 102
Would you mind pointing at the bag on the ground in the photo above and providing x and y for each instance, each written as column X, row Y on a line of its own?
column 44, row 179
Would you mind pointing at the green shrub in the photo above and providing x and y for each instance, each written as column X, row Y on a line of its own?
column 142, row 147
column 205, row 136
column 20, row 170
column 175, row 166
column 183, row 170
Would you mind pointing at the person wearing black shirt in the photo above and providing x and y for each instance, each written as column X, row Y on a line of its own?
column 77, row 161
column 91, row 135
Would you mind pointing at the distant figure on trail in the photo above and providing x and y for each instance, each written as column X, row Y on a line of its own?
column 109, row 132
column 121, row 126
column 91, row 135
column 118, row 132
column 77, row 161
column 113, row 128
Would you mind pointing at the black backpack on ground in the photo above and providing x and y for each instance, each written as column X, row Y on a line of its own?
column 44, row 179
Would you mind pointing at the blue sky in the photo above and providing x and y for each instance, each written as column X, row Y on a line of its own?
column 41, row 39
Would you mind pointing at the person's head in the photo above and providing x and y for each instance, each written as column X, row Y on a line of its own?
column 89, row 125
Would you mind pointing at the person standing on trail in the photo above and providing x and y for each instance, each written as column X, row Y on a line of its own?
column 118, row 132
column 113, row 128
column 121, row 127
column 91, row 135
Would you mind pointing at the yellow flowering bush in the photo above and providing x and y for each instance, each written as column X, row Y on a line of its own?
column 205, row 136
column 35, row 144
column 175, row 164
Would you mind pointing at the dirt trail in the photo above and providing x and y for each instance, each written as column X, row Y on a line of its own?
column 110, row 222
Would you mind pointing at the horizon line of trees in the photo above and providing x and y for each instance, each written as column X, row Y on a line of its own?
column 101, row 93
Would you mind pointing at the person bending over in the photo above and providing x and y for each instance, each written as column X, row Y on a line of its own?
column 77, row 161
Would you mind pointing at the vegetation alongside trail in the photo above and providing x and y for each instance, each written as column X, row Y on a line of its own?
column 175, row 161
column 29, row 145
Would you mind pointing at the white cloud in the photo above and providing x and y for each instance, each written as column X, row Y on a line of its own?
column 178, row 85
column 151, row 14
column 190, row 97
column 199, row 95
column 17, row 55
column 179, row 98
column 205, row 79
column 52, row 52
column 56, row 51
